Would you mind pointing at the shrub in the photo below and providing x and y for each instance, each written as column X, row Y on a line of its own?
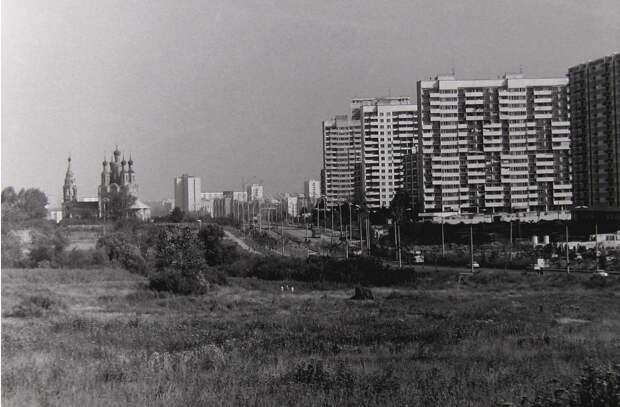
column 215, row 251
column 594, row 388
column 170, row 279
column 598, row 281
column 119, row 247
column 241, row 267
column 180, row 264
column 358, row 270
column 12, row 254
column 83, row 258
column 36, row 306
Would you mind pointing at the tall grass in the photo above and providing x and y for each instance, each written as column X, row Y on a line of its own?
column 117, row 343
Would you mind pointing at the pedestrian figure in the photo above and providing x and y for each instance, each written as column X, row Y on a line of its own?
column 282, row 288
column 292, row 289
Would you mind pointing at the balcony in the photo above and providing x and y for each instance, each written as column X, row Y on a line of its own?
column 545, row 179
column 543, row 92
column 543, row 116
column 473, row 94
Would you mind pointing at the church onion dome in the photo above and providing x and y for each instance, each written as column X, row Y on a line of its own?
column 130, row 162
column 117, row 152
column 123, row 163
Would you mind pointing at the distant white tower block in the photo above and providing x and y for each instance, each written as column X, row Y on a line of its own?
column 187, row 193
column 312, row 188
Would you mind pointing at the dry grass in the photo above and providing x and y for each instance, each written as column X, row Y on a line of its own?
column 114, row 343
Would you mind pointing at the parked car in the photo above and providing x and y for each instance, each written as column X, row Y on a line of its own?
column 534, row 267
column 602, row 274
column 475, row 265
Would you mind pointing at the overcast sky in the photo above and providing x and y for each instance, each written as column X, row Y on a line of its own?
column 237, row 89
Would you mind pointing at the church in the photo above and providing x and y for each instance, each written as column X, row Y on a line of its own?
column 118, row 178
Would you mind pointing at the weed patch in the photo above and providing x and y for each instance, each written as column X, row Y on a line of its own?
column 36, row 306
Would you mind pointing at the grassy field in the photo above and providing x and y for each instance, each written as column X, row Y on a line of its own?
column 99, row 338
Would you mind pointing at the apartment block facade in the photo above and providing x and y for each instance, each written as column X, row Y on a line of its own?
column 388, row 128
column 341, row 152
column 312, row 188
column 595, row 129
column 187, row 193
column 255, row 192
column 500, row 145
column 410, row 177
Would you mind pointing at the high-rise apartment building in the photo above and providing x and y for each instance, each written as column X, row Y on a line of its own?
column 187, row 193
column 410, row 176
column 255, row 192
column 388, row 129
column 494, row 145
column 312, row 188
column 341, row 152
column 595, row 128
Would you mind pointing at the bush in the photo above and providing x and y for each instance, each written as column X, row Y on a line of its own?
column 180, row 264
column 36, row 306
column 594, row 388
column 598, row 281
column 358, row 270
column 83, row 258
column 119, row 247
column 215, row 251
column 12, row 253
column 48, row 245
column 170, row 279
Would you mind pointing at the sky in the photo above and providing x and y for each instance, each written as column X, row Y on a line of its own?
column 235, row 91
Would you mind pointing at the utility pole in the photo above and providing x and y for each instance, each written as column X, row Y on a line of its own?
column 596, row 244
column 395, row 240
column 350, row 223
column 359, row 217
column 324, row 217
column 340, row 219
column 510, row 253
column 331, row 237
column 567, row 265
column 368, row 234
column 400, row 257
column 471, row 246
column 443, row 240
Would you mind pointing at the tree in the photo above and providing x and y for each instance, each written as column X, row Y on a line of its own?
column 215, row 251
column 32, row 201
column 177, row 215
column 118, row 203
column 179, row 262
column 399, row 204
column 9, row 196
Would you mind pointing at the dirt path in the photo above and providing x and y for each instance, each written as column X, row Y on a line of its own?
column 240, row 242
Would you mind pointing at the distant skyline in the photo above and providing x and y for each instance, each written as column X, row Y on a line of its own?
column 228, row 89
